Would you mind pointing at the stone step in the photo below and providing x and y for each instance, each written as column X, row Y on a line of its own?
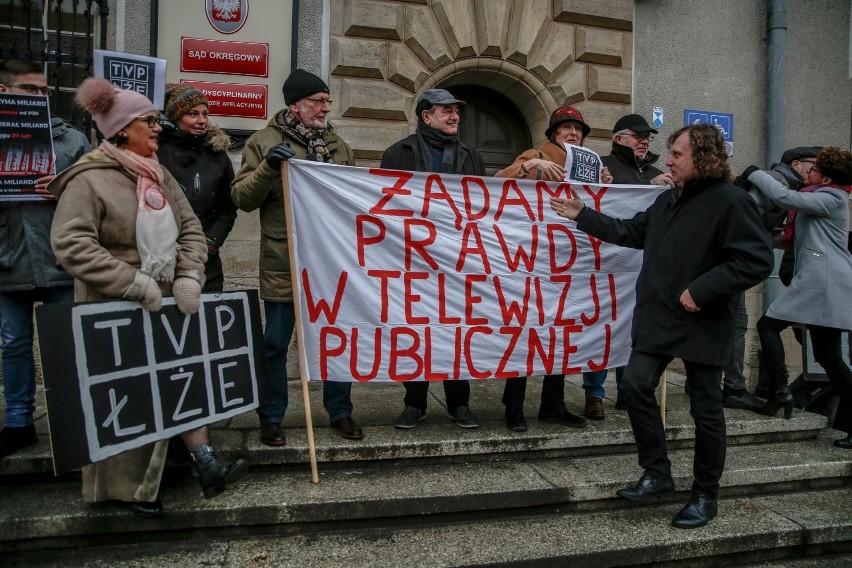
column 747, row 529
column 436, row 439
column 43, row 515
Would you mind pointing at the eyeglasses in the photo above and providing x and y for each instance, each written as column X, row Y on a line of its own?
column 151, row 119
column 33, row 89
column 816, row 169
column 648, row 137
column 320, row 102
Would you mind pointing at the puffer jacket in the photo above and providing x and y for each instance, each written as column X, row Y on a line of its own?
column 26, row 259
column 258, row 186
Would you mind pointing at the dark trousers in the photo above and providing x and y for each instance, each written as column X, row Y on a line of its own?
column 552, row 394
column 705, row 401
column 457, row 394
column 772, row 350
column 829, row 354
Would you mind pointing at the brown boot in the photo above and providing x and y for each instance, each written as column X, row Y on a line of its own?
column 594, row 408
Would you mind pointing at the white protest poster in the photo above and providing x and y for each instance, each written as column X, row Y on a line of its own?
column 582, row 165
column 140, row 73
column 407, row 276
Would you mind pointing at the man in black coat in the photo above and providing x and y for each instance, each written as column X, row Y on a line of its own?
column 703, row 245
column 435, row 147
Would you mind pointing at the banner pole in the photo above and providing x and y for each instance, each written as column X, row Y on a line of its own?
column 663, row 397
column 303, row 366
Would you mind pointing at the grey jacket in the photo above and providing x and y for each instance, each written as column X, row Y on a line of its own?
column 821, row 289
column 26, row 259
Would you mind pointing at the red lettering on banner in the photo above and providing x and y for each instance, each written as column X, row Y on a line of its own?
column 514, row 309
column 596, row 196
column 397, row 352
column 511, row 185
column 466, row 183
column 362, row 240
column 568, row 349
column 412, row 298
column 514, row 334
column 614, row 311
column 563, row 297
column 398, row 188
column 466, row 249
column 427, row 366
column 520, row 254
column 542, row 188
column 596, row 250
column 443, row 318
column 604, row 364
column 419, row 246
column 551, row 240
column 539, row 301
column 377, row 356
column 468, row 340
column 321, row 306
column 441, row 195
column 384, row 276
column 457, row 351
column 535, row 347
column 326, row 351
column 471, row 299
column 589, row 320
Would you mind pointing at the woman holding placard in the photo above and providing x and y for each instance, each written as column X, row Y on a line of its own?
column 124, row 230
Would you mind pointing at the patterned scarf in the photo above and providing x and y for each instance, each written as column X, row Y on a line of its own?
column 156, row 230
column 312, row 138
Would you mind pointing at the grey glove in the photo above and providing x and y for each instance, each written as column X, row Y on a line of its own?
column 186, row 292
column 152, row 299
column 277, row 154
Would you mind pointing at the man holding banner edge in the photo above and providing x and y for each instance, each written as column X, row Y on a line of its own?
column 703, row 245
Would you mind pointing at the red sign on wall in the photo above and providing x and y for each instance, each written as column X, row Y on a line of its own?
column 233, row 99
column 200, row 55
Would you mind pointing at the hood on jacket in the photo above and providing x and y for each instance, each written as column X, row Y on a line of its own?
column 93, row 160
column 216, row 138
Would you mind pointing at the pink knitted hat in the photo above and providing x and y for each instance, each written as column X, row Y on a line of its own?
column 111, row 107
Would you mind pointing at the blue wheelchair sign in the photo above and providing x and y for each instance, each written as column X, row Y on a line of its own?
column 723, row 121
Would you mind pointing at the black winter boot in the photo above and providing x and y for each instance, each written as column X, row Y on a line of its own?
column 214, row 475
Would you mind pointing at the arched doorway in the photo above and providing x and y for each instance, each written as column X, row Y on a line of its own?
column 493, row 125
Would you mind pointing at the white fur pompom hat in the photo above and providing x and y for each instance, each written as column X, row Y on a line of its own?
column 111, row 107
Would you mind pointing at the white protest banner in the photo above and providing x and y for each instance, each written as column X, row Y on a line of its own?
column 416, row 276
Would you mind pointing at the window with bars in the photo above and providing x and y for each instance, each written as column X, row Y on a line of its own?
column 61, row 35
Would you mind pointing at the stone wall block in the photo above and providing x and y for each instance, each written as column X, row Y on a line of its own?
column 598, row 46
column 423, row 36
column 357, row 57
column 613, row 14
column 404, row 69
column 602, row 116
column 365, row 98
column 570, row 87
column 378, row 20
column 527, row 29
column 609, row 84
column 556, row 53
column 369, row 139
column 492, row 22
column 455, row 17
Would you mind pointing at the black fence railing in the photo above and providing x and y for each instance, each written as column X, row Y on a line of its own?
column 61, row 35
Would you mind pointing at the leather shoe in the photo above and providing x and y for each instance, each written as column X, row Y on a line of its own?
column 147, row 508
column 515, row 420
column 649, row 488
column 844, row 442
column 347, row 428
column 739, row 398
column 271, row 434
column 594, row 408
column 701, row 509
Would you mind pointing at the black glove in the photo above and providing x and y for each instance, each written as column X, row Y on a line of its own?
column 742, row 179
column 748, row 171
column 277, row 154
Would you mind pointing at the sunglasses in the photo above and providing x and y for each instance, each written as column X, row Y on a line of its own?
column 151, row 119
column 33, row 89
